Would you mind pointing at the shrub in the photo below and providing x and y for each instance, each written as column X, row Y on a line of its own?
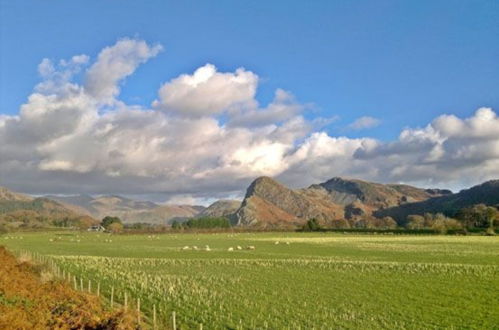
column 108, row 220
column 312, row 225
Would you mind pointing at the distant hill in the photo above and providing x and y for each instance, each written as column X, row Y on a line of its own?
column 270, row 204
column 22, row 210
column 129, row 210
column 221, row 208
column 8, row 195
column 449, row 204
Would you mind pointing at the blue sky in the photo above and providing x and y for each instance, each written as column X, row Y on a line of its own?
column 412, row 86
column 403, row 62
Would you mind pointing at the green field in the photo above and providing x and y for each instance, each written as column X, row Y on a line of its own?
column 307, row 280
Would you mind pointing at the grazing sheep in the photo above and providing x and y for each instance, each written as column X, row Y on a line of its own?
column 207, row 248
column 230, row 249
column 251, row 247
column 185, row 248
column 195, row 247
column 239, row 247
column 276, row 243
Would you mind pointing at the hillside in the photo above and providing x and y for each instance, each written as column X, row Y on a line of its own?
column 129, row 210
column 271, row 204
column 17, row 210
column 221, row 208
column 485, row 193
column 30, row 298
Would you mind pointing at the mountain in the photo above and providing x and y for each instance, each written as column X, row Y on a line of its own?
column 164, row 214
column 270, row 204
column 129, row 210
column 21, row 210
column 221, row 208
column 449, row 204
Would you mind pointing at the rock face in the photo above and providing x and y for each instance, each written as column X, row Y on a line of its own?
column 270, row 204
column 221, row 208
column 486, row 193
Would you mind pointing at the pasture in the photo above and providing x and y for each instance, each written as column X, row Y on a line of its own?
column 288, row 281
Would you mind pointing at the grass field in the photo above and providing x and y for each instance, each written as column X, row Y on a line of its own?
column 290, row 280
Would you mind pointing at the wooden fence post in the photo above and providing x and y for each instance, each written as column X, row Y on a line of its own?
column 154, row 317
column 138, row 310
column 112, row 297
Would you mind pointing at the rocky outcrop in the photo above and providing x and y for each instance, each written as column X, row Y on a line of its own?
column 269, row 203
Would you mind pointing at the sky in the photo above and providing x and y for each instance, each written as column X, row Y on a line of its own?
column 191, row 100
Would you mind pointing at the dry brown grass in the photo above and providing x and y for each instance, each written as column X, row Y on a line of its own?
column 28, row 302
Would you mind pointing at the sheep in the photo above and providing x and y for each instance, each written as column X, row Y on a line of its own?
column 251, row 247
column 276, row 243
column 185, row 248
column 239, row 247
column 195, row 247
column 230, row 249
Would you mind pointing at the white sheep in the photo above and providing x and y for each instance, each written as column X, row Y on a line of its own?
column 230, row 249
column 239, row 247
column 185, row 248
column 251, row 247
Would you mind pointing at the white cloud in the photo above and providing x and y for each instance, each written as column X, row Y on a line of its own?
column 364, row 123
column 207, row 91
column 114, row 64
column 282, row 108
column 62, row 141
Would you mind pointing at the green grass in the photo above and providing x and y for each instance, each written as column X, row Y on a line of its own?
column 318, row 280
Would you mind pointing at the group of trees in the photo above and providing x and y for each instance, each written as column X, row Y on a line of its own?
column 478, row 216
column 474, row 217
column 202, row 223
column 112, row 224
column 437, row 222
column 365, row 222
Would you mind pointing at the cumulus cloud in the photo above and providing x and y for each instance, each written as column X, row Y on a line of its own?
column 208, row 91
column 63, row 142
column 114, row 64
column 364, row 123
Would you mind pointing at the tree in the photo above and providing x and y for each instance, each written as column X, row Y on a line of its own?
column 415, row 222
column 108, row 220
column 389, row 223
column 312, row 225
column 85, row 222
column 115, row 227
column 478, row 216
column 176, row 225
